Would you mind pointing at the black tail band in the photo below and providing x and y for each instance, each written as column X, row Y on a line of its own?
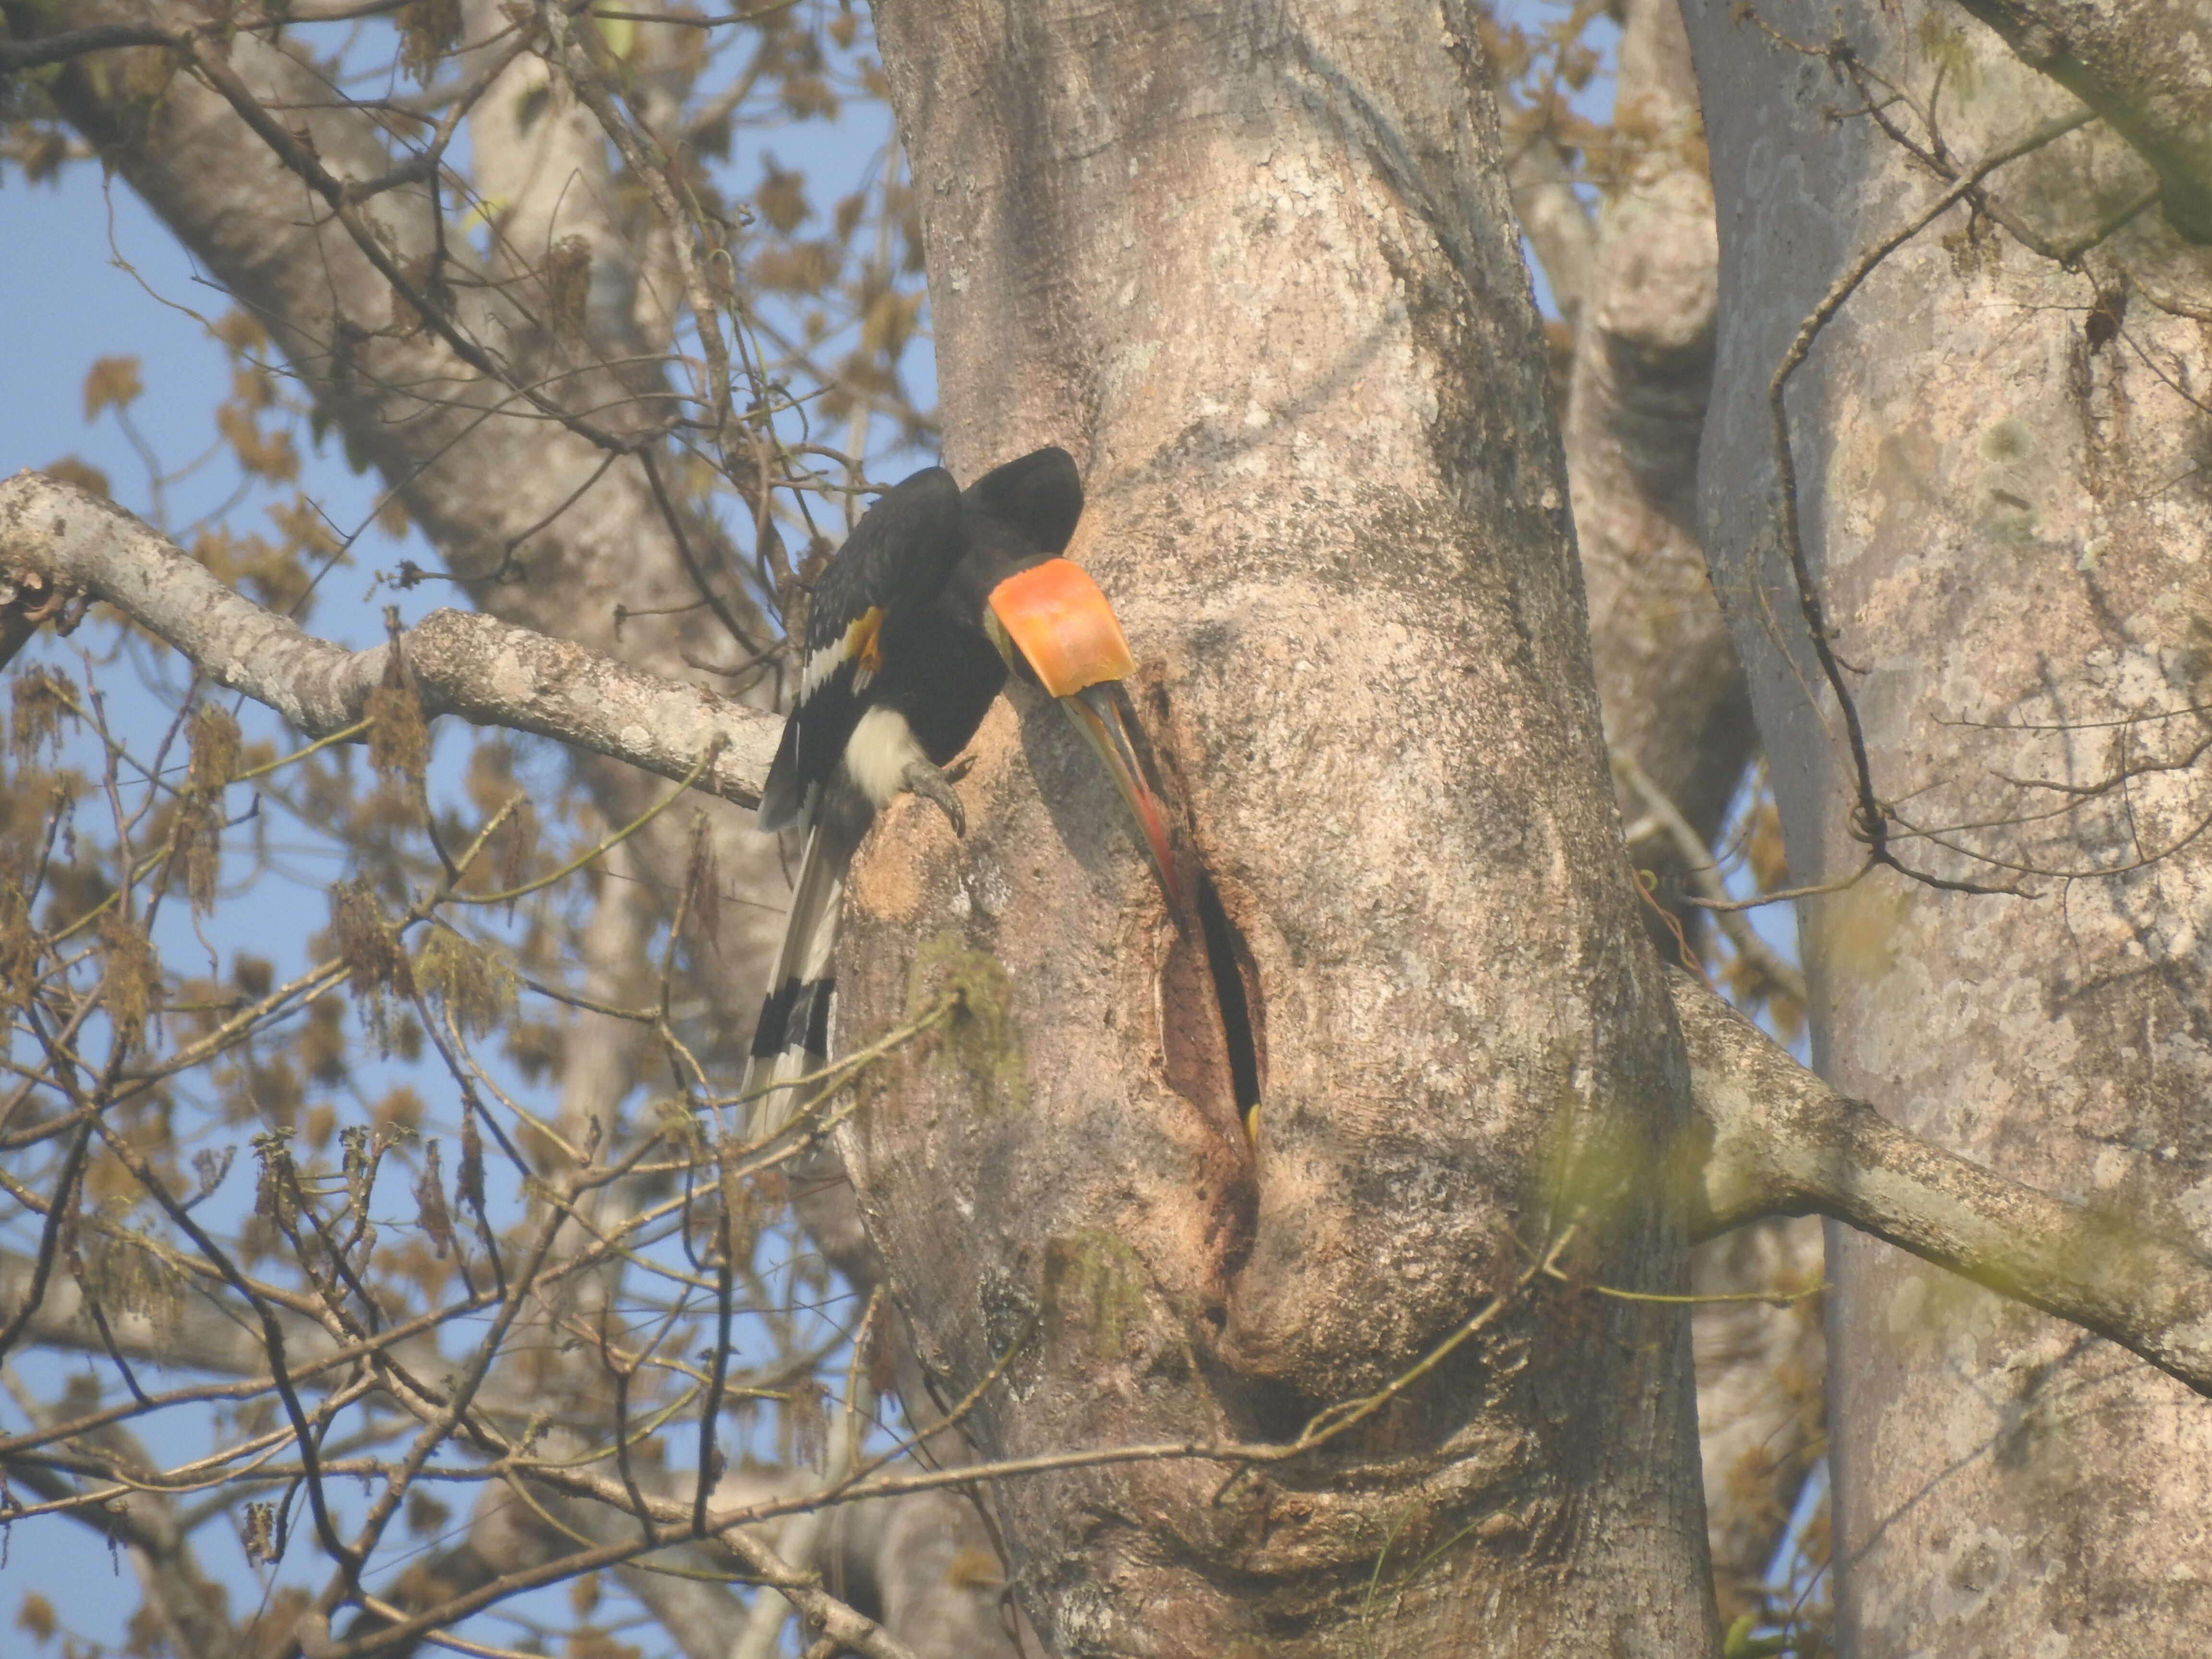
column 794, row 1016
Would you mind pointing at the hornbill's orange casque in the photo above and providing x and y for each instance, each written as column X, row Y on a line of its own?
column 915, row 623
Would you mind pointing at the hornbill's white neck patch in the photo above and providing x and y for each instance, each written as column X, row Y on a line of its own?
column 878, row 753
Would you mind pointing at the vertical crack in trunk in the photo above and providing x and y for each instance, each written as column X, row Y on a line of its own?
column 1236, row 994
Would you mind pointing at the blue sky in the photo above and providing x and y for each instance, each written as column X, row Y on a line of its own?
column 87, row 271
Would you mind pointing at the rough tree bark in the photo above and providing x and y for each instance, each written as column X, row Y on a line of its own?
column 2005, row 518
column 1258, row 272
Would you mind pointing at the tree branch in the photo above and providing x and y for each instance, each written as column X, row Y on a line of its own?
column 55, row 538
column 2121, row 58
column 1781, row 1142
column 542, row 527
column 15, row 55
column 1558, row 226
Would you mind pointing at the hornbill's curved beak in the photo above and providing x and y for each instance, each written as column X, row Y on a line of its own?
column 1052, row 621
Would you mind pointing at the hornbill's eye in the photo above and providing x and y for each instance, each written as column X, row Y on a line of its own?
column 1053, row 626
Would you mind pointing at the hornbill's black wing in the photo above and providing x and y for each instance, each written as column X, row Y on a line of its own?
column 893, row 565
column 896, row 561
column 1039, row 496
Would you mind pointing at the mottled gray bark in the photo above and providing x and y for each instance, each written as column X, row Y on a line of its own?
column 1258, row 272
column 1784, row 1142
column 2005, row 522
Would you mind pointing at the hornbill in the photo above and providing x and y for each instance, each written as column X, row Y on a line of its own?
column 914, row 624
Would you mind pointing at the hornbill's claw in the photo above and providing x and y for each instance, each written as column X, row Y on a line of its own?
column 931, row 783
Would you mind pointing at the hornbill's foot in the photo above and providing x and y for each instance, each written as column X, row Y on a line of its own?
column 932, row 784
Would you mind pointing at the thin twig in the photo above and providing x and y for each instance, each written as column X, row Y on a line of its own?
column 1699, row 865
column 1870, row 819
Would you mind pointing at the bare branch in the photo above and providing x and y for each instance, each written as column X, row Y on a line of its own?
column 56, row 536
column 1781, row 1142
column 59, row 48
column 189, row 1606
column 1698, row 863
column 2119, row 57
column 862, row 1635
column 1557, row 225
column 1872, row 818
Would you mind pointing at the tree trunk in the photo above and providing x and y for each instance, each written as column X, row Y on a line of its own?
column 1675, row 700
column 1259, row 273
column 2004, row 519
column 1673, row 693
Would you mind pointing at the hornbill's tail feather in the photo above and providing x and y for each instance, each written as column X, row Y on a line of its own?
column 793, row 1038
